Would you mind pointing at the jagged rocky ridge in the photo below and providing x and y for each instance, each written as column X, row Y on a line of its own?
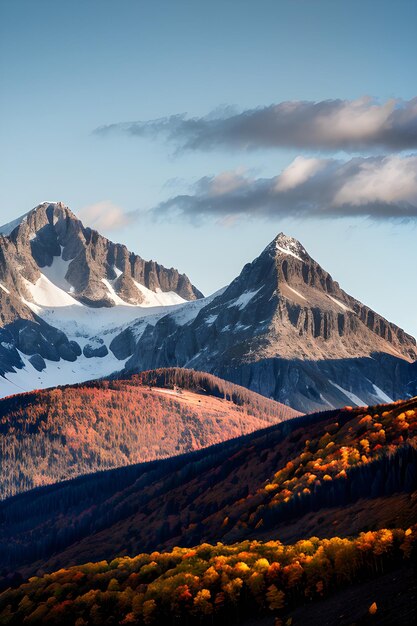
column 49, row 259
column 51, row 230
column 286, row 329
column 283, row 327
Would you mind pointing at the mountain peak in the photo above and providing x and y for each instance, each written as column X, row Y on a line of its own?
column 285, row 245
column 8, row 228
column 51, row 245
column 55, row 208
column 46, row 203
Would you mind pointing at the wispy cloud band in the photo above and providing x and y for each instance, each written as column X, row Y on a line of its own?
column 330, row 125
column 105, row 216
column 382, row 187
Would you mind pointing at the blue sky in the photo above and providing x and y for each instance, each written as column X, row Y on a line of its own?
column 67, row 68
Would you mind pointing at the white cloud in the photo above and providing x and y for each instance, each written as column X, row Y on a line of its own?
column 350, row 125
column 353, row 121
column 104, row 216
column 389, row 180
column 298, row 172
column 228, row 182
column 382, row 187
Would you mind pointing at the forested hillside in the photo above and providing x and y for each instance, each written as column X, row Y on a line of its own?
column 328, row 474
column 203, row 383
column 51, row 435
column 211, row 584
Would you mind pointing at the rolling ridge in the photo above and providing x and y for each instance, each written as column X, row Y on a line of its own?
column 51, row 435
column 252, row 486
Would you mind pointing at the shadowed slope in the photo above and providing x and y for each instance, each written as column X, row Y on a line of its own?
column 260, row 486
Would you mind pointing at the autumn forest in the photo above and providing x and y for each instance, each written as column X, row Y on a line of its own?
column 288, row 512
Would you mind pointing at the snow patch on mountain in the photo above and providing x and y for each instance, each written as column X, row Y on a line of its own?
column 239, row 326
column 8, row 228
column 381, row 395
column 352, row 397
column 290, row 246
column 211, row 319
column 83, row 321
column 297, row 293
column 57, row 271
column 158, row 297
column 78, row 321
column 45, row 293
column 181, row 314
column 244, row 299
column 289, row 252
column 57, row 373
column 113, row 295
column 188, row 312
column 342, row 306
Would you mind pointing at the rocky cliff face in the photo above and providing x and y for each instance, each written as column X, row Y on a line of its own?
column 286, row 329
column 50, row 265
column 78, row 306
column 51, row 233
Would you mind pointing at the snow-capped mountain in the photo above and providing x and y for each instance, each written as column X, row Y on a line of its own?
column 65, row 290
column 75, row 306
column 286, row 329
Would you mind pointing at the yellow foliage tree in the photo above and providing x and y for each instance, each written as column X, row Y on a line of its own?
column 202, row 602
column 275, row 597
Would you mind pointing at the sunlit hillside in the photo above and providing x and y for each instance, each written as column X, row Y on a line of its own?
column 330, row 474
column 209, row 584
column 51, row 435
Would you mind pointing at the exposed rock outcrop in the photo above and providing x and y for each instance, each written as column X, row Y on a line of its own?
column 98, row 349
column 52, row 231
column 283, row 327
column 286, row 329
column 47, row 259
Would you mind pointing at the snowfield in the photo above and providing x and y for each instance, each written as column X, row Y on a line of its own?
column 52, row 301
column 58, row 373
